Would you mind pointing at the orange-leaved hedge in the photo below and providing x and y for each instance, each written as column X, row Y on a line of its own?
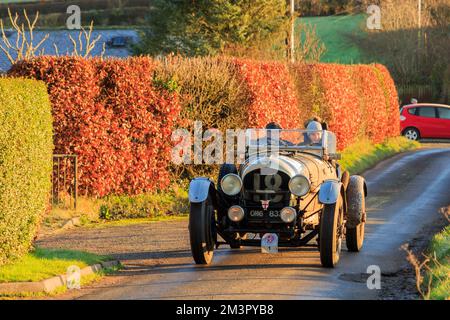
column 109, row 113
column 355, row 100
column 118, row 115
column 272, row 93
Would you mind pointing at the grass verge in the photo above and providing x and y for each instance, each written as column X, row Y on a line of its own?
column 132, row 221
column 439, row 269
column 363, row 154
column 158, row 205
column 85, row 280
column 41, row 264
column 122, row 210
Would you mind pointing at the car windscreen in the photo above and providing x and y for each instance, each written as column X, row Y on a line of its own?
column 284, row 138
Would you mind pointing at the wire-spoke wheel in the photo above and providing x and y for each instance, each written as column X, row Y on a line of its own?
column 202, row 231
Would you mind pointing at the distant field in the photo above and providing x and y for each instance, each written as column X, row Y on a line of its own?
column 16, row 1
column 104, row 13
column 334, row 31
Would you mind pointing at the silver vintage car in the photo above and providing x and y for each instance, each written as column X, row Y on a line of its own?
column 288, row 191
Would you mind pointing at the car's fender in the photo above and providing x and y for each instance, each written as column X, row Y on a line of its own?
column 329, row 191
column 200, row 188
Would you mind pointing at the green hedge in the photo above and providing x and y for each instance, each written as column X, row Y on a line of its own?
column 26, row 146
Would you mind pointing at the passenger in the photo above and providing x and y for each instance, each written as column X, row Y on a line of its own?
column 318, row 119
column 314, row 138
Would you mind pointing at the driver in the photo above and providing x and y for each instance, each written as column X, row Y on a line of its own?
column 315, row 138
column 275, row 126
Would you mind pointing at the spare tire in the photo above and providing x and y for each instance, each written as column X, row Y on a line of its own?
column 355, row 201
column 356, row 213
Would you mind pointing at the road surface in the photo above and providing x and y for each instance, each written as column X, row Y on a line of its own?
column 405, row 193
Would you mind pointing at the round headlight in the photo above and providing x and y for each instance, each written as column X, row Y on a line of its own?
column 288, row 214
column 231, row 184
column 299, row 185
column 236, row 213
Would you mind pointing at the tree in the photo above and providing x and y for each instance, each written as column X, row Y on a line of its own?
column 201, row 27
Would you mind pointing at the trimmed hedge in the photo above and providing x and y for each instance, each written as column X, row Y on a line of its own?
column 109, row 113
column 118, row 115
column 26, row 148
column 272, row 93
column 392, row 100
column 356, row 100
column 144, row 114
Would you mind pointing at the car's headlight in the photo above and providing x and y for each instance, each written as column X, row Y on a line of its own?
column 236, row 213
column 288, row 214
column 299, row 185
column 231, row 184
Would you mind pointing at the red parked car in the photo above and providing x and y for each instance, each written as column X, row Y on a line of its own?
column 425, row 120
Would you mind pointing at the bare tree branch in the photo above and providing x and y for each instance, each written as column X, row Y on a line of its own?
column 24, row 48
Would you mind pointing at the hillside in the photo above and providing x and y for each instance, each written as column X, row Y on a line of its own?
column 336, row 32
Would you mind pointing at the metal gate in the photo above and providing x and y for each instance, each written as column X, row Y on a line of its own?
column 65, row 181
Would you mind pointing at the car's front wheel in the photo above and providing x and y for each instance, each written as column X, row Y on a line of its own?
column 331, row 233
column 412, row 134
column 202, row 231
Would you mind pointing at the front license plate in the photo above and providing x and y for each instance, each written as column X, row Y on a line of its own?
column 260, row 213
column 256, row 213
column 269, row 243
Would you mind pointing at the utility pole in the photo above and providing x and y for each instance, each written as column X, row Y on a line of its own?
column 420, row 13
column 293, row 31
column 419, row 22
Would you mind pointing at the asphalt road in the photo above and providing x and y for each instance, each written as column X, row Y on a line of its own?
column 405, row 193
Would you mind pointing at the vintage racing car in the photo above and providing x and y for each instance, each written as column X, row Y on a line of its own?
column 284, row 196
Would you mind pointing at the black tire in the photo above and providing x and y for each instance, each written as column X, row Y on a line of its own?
column 354, row 237
column 202, row 231
column 356, row 200
column 411, row 134
column 331, row 233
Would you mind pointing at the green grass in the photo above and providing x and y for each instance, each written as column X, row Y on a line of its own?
column 132, row 221
column 363, row 154
column 85, row 280
column 150, row 205
column 440, row 269
column 335, row 32
column 16, row 1
column 42, row 263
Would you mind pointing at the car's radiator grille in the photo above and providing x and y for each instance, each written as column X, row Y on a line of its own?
column 259, row 187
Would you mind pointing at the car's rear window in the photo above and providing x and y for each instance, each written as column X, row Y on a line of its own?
column 444, row 113
column 427, row 112
column 411, row 110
